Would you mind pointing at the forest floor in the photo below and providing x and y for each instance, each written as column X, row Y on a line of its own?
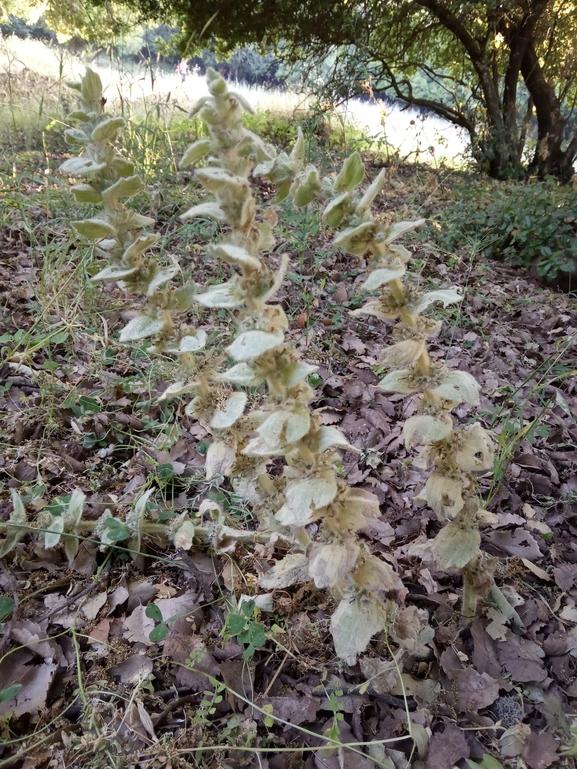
column 78, row 410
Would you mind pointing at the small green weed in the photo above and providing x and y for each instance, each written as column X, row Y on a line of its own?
column 527, row 224
column 242, row 623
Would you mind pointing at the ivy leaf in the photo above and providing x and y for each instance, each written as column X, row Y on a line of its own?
column 153, row 612
column 159, row 632
column 114, row 531
column 236, row 623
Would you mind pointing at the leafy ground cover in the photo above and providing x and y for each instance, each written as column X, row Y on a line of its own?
column 176, row 659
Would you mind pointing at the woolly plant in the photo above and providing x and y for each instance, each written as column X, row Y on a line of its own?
column 308, row 503
column 456, row 454
column 121, row 239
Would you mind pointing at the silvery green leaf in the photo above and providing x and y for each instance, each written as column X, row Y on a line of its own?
column 75, row 136
column 454, row 547
column 352, row 173
column 224, row 295
column 53, row 531
column 282, row 190
column 234, row 255
column 304, row 498
column 232, row 412
column 443, row 495
column 291, row 570
column 85, row 193
column 398, row 382
column 93, row 228
column 178, row 388
column 357, row 239
column 115, row 273
column 305, row 188
column 252, row 344
column 210, row 210
column 197, row 106
column 183, row 298
column 123, row 188
column 329, row 437
column 403, row 353
column 242, row 101
column 460, row 387
column 375, row 309
column 138, row 220
column 379, row 277
column 134, row 520
column 371, row 192
column 396, row 230
column 477, row 452
column 78, row 117
column 142, row 327
column 423, row 428
column 17, row 524
column 73, row 512
column 331, row 564
column 81, row 166
column 278, row 279
column 72, row 517
column 446, row 296
column 91, row 87
column 297, row 156
column 376, row 576
column 335, row 210
column 219, row 458
column 139, row 245
column 196, row 151
column 192, row 343
column 122, row 166
column 242, row 375
column 284, row 427
column 353, row 625
column 162, row 276
column 183, row 537
column 258, row 447
column 215, row 178
column 107, row 129
column 296, row 372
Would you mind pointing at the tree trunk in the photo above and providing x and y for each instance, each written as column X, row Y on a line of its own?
column 551, row 158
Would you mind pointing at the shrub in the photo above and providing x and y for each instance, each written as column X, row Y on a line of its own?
column 534, row 225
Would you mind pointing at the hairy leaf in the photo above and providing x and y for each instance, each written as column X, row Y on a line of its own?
column 353, row 625
column 423, row 428
column 293, row 568
column 232, row 412
column 460, row 387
